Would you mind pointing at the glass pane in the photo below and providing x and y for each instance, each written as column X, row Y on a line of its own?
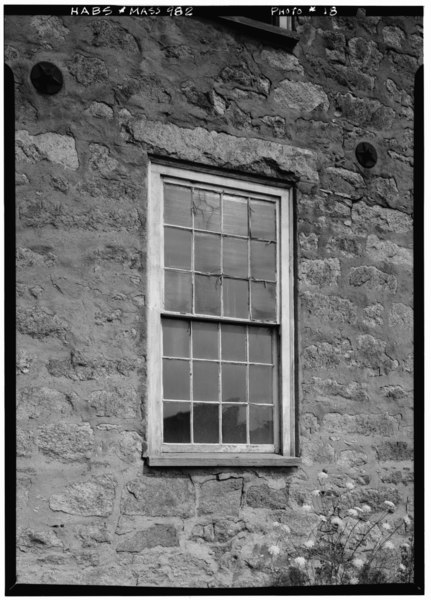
column 262, row 260
column 261, row 384
column 205, row 340
column 205, row 423
column 176, row 379
column 176, row 337
column 207, row 253
column 178, row 291
column 205, row 381
column 176, row 422
column 235, row 257
column 206, row 208
column 235, row 298
column 260, row 344
column 262, row 220
column 261, row 425
column 235, row 215
column 207, row 295
column 234, row 383
column 234, row 425
column 178, row 248
column 263, row 301
column 233, row 342
column 178, row 205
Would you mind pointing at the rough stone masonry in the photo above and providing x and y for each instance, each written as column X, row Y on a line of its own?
column 89, row 510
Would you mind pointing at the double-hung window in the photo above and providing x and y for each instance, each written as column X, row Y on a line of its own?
column 220, row 320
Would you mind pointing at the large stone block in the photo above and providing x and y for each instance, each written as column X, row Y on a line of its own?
column 326, row 355
column 262, row 496
column 59, row 149
column 367, row 218
column 39, row 323
column 344, row 182
column 120, row 401
column 108, row 34
column 373, row 279
column 331, row 309
column 387, row 251
column 248, row 154
column 67, row 442
column 371, row 353
column 157, row 535
column 220, row 497
column 394, row 450
column 280, row 60
column 300, row 96
column 159, row 497
column 86, row 498
column 43, row 403
column 322, row 273
column 49, row 29
column 88, row 71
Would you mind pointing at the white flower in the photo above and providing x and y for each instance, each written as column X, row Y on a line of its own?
column 402, row 567
column 276, row 524
column 315, row 493
column 274, row 550
column 352, row 512
column 309, row 544
column 354, row 580
column 366, row 508
column 323, row 518
column 386, row 526
column 286, row 528
column 350, row 485
column 306, row 507
column 337, row 521
column 322, row 475
column 300, row 561
column 358, row 563
column 388, row 545
column 407, row 520
column 389, row 504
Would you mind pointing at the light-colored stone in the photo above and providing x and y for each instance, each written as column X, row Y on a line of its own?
column 300, row 96
column 201, row 146
column 67, row 442
column 158, row 497
column 93, row 497
column 322, row 273
column 59, row 149
column 386, row 251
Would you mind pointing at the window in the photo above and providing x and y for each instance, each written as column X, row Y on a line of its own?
column 220, row 327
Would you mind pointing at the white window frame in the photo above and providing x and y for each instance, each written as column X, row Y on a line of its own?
column 160, row 454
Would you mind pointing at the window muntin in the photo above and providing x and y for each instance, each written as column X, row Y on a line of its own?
column 221, row 253
column 214, row 248
column 229, row 368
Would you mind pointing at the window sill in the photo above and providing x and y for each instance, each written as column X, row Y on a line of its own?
column 222, row 460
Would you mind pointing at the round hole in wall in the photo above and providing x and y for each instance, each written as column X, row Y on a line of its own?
column 46, row 78
column 366, row 154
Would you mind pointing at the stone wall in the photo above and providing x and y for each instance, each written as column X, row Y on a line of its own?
column 90, row 510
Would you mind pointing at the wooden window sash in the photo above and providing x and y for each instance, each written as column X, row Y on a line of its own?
column 284, row 380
